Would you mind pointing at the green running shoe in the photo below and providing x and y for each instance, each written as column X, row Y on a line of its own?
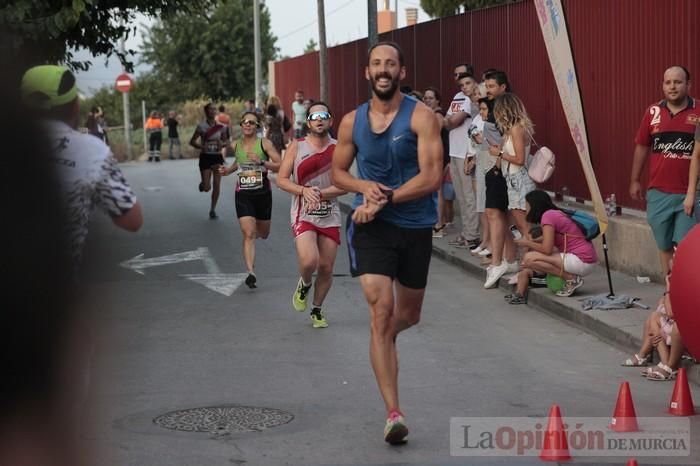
column 300, row 296
column 395, row 431
column 318, row 319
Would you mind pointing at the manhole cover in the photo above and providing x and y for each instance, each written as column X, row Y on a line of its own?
column 223, row 419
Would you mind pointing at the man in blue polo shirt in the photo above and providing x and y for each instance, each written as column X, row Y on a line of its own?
column 667, row 131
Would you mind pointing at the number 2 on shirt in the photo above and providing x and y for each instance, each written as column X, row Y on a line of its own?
column 656, row 115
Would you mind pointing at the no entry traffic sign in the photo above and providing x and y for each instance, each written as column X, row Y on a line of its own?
column 124, row 83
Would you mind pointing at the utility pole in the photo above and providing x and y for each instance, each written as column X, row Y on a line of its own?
column 145, row 134
column 323, row 51
column 127, row 119
column 372, row 36
column 256, row 46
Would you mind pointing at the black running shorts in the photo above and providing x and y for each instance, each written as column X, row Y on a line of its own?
column 383, row 248
column 496, row 190
column 206, row 161
column 254, row 205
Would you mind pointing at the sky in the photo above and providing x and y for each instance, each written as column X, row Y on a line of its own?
column 293, row 22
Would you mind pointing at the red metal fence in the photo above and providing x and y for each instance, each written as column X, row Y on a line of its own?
column 621, row 49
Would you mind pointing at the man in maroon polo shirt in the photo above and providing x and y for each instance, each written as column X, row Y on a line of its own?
column 667, row 131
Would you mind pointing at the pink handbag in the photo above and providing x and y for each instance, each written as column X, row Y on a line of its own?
column 541, row 165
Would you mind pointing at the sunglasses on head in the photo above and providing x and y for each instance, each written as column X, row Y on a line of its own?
column 249, row 122
column 323, row 116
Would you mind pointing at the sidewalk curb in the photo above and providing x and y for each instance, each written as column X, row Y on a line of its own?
column 539, row 298
column 543, row 300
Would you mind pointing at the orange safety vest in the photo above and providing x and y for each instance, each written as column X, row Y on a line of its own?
column 154, row 123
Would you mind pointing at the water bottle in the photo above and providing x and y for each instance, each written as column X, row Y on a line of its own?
column 565, row 195
column 613, row 205
column 607, row 206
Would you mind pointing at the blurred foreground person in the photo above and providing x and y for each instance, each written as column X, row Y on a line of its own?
column 40, row 351
column 89, row 174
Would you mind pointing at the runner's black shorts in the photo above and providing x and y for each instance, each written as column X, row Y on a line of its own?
column 258, row 205
column 206, row 161
column 382, row 248
column 496, row 190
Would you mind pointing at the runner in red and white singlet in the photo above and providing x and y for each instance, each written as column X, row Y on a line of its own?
column 315, row 214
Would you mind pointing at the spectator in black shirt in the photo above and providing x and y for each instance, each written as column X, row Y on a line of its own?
column 95, row 123
column 173, row 135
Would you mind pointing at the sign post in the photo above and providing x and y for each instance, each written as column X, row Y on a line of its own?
column 143, row 117
column 123, row 84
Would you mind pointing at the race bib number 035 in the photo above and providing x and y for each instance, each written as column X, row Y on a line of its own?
column 324, row 209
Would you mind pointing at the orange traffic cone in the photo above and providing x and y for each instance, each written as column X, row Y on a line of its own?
column 681, row 400
column 624, row 418
column 632, row 462
column 556, row 446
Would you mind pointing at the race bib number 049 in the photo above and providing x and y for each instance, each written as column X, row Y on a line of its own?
column 250, row 179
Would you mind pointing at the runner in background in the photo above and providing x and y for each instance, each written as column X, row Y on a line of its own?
column 209, row 137
column 315, row 213
column 253, row 158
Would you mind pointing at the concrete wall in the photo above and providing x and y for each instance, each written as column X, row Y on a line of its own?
column 631, row 247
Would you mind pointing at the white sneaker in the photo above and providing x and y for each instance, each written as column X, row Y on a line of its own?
column 495, row 273
column 484, row 252
column 513, row 267
column 570, row 286
column 476, row 250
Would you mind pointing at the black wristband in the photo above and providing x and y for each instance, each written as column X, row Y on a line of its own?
column 389, row 193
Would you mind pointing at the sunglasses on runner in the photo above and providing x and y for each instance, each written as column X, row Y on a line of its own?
column 249, row 122
column 323, row 116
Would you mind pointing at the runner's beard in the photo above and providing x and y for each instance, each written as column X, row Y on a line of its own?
column 389, row 93
column 319, row 132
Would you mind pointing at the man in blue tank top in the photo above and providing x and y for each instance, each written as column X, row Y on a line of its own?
column 396, row 141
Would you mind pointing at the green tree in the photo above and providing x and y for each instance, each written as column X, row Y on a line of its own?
column 440, row 8
column 35, row 31
column 209, row 52
column 311, row 46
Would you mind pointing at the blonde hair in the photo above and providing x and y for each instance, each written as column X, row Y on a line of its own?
column 508, row 110
column 274, row 100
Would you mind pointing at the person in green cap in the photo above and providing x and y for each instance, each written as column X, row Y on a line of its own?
column 89, row 173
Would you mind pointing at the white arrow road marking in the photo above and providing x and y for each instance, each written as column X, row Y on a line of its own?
column 138, row 264
column 209, row 263
column 223, row 283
